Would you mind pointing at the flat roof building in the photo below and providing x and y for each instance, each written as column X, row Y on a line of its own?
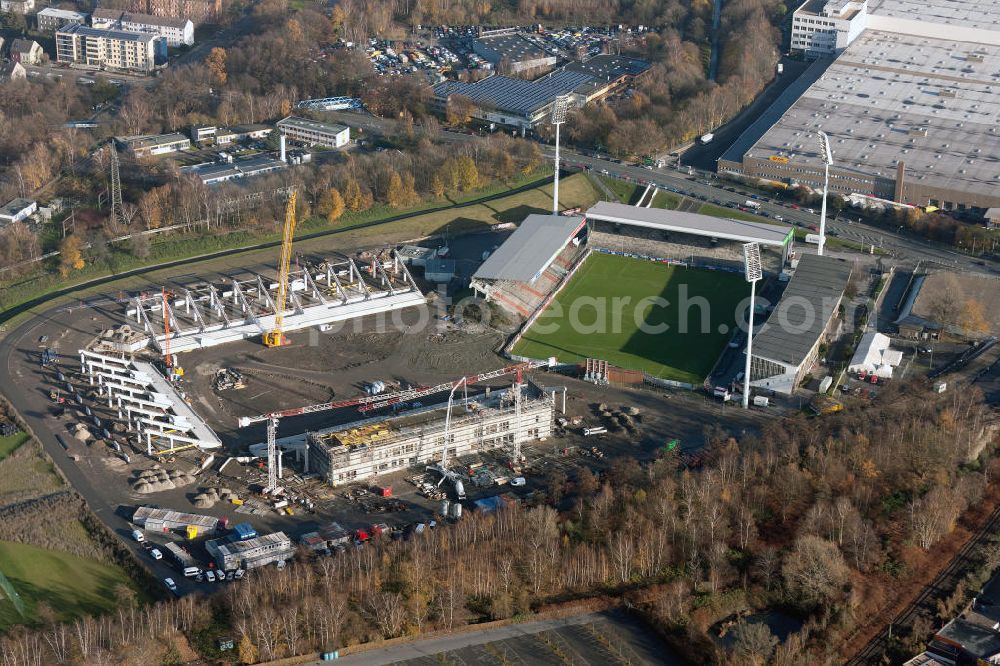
column 212, row 174
column 315, row 133
column 513, row 53
column 17, row 210
column 788, row 344
column 175, row 30
column 160, row 144
column 51, row 19
column 524, row 104
column 365, row 449
column 250, row 553
column 910, row 105
column 116, row 49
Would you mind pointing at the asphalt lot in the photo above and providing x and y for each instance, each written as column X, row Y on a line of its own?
column 593, row 638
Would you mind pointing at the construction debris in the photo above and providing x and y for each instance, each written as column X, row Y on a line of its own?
column 228, row 379
column 156, row 480
column 122, row 339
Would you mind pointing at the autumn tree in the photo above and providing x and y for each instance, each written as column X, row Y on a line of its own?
column 468, row 173
column 216, row 63
column 972, row 317
column 394, row 195
column 331, row 205
column 70, row 255
column 437, row 186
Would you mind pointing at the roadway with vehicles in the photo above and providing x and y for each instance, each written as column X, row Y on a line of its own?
column 708, row 188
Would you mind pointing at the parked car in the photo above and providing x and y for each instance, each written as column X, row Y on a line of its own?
column 156, row 554
column 210, row 576
column 518, row 481
column 138, row 536
column 171, row 585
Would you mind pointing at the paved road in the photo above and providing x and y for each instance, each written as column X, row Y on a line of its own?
column 432, row 646
column 902, row 247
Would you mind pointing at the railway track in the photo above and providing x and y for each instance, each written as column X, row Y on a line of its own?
column 925, row 603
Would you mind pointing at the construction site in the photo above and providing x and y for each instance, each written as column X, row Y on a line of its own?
column 332, row 389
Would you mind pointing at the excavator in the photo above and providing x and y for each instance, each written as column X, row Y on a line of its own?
column 276, row 336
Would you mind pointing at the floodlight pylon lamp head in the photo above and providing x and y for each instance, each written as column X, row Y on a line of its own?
column 751, row 262
column 827, row 154
column 559, row 109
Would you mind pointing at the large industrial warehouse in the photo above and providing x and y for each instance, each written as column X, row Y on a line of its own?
column 910, row 107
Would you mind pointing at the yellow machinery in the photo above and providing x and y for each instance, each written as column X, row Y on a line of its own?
column 192, row 532
column 276, row 337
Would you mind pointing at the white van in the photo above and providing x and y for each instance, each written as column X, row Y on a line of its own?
column 138, row 536
column 191, row 572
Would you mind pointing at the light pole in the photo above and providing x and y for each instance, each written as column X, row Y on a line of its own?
column 827, row 156
column 558, row 118
column 751, row 266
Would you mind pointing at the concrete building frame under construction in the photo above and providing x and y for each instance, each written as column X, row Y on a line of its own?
column 494, row 420
column 206, row 314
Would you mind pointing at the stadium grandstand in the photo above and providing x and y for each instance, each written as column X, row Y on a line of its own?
column 788, row 344
column 531, row 263
column 697, row 240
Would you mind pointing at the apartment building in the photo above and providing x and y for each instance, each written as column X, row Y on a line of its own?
column 106, row 49
column 176, row 31
column 51, row 19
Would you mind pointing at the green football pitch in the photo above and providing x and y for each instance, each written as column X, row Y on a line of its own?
column 605, row 313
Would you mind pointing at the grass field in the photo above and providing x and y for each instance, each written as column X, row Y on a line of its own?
column 671, row 354
column 71, row 585
column 8, row 444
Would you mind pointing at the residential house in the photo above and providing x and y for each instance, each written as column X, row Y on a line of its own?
column 26, row 52
column 12, row 71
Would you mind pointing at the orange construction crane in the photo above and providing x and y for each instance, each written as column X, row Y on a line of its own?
column 276, row 337
column 167, row 359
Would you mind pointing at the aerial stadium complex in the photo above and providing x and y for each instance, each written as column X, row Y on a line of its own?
column 645, row 289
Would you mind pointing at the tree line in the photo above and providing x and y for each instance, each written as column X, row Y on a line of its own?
column 823, row 518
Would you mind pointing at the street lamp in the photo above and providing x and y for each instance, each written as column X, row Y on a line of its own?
column 559, row 108
column 752, row 269
column 827, row 156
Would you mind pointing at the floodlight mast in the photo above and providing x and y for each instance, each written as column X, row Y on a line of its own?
column 752, row 268
column 827, row 156
column 558, row 118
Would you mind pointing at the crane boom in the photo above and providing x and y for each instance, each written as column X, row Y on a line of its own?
column 167, row 359
column 276, row 337
column 369, row 403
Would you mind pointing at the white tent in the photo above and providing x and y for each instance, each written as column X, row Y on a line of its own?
column 873, row 356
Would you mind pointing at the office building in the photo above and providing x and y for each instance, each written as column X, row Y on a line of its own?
column 314, row 133
column 161, row 144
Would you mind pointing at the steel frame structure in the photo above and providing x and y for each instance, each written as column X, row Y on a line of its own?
column 206, row 314
column 146, row 402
